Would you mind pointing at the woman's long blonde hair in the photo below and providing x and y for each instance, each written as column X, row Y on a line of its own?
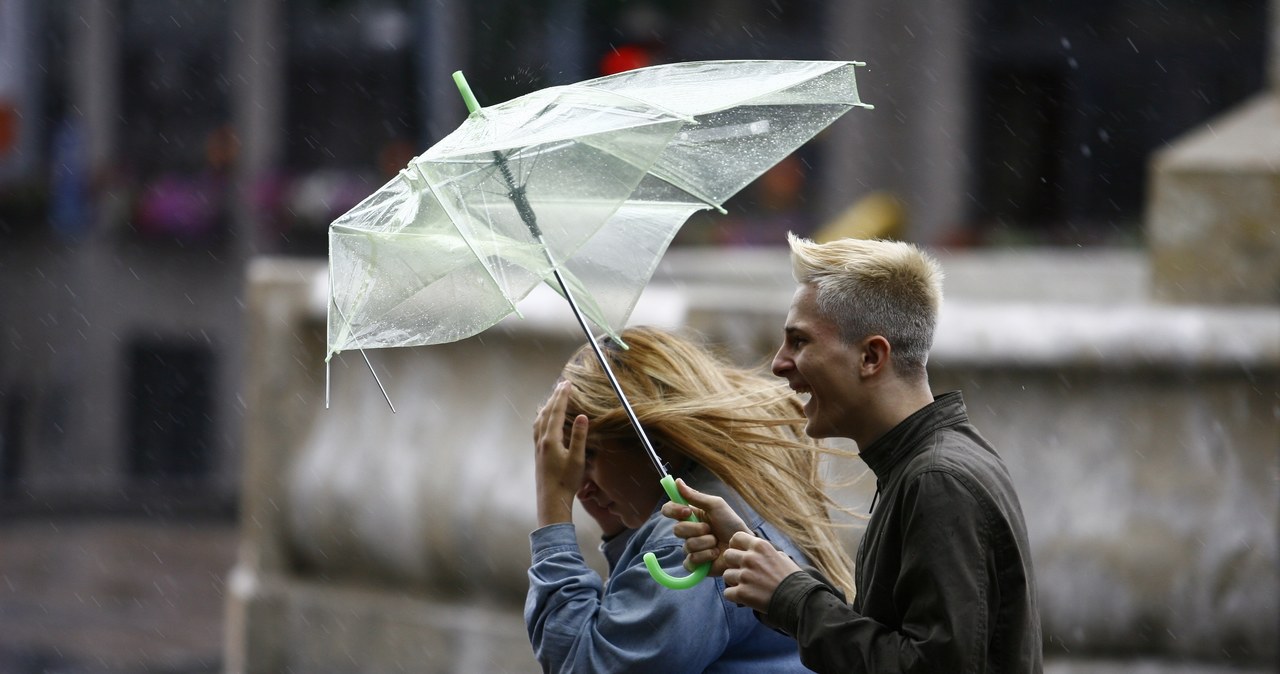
column 743, row 426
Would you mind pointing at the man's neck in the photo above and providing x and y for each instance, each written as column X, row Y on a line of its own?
column 893, row 404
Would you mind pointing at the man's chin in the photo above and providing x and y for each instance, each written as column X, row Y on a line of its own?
column 816, row 430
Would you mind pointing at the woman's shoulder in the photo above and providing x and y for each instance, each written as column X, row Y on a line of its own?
column 657, row 532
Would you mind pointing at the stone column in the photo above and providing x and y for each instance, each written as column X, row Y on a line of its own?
column 917, row 57
column 1275, row 45
column 95, row 59
column 258, row 55
column 443, row 25
column 278, row 304
column 89, row 371
column 567, row 59
column 1213, row 213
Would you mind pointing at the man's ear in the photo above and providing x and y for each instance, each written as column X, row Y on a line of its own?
column 875, row 355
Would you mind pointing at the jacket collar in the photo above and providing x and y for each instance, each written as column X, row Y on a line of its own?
column 904, row 439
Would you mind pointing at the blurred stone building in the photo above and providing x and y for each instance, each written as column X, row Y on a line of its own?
column 149, row 148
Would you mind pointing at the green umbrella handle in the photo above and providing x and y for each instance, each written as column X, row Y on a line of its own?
column 651, row 561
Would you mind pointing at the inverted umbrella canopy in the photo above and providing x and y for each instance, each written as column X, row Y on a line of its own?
column 585, row 184
column 609, row 169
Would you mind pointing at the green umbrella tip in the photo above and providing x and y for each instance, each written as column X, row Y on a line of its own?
column 465, row 89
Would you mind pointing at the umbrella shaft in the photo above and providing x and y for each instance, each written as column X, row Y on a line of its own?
column 604, row 363
column 518, row 196
column 521, row 201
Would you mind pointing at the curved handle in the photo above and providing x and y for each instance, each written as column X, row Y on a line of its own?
column 651, row 561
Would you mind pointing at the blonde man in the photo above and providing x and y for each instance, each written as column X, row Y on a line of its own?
column 944, row 581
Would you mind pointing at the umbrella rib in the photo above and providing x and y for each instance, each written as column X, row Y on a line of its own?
column 656, row 171
column 346, row 323
column 604, row 364
column 401, row 302
column 366, row 362
column 671, row 179
column 517, row 196
column 646, row 104
column 467, row 240
column 520, row 157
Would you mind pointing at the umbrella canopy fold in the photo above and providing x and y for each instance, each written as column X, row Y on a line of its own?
column 591, row 179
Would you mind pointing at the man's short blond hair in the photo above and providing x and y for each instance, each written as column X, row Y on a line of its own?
column 875, row 287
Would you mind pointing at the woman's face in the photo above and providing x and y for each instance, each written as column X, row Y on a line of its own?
column 621, row 479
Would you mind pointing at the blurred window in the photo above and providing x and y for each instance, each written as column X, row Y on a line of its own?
column 635, row 34
column 351, row 110
column 175, row 134
column 1072, row 98
column 175, row 90
column 33, row 95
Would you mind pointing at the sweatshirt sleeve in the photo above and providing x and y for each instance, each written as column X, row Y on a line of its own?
column 940, row 595
column 637, row 625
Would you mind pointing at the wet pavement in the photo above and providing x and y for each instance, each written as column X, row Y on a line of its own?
column 117, row 595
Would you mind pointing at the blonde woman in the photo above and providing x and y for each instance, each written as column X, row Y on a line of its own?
column 732, row 432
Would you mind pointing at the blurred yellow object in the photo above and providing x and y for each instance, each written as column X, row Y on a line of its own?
column 878, row 215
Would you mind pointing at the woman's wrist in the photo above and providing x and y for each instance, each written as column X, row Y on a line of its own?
column 554, row 509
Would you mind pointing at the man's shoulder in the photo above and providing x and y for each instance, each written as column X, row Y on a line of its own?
column 957, row 444
column 960, row 452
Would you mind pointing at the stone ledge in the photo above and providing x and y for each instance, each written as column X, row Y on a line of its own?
column 280, row 624
column 987, row 323
column 1132, row 336
column 1246, row 139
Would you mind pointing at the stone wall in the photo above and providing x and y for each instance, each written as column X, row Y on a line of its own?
column 1142, row 438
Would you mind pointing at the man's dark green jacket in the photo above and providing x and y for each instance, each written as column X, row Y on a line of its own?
column 943, row 573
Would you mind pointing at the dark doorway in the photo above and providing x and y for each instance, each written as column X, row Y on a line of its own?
column 170, row 409
column 1072, row 98
column 13, row 408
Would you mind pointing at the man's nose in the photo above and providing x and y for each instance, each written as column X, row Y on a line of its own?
column 781, row 362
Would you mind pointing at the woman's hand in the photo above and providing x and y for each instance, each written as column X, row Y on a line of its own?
column 707, row 539
column 559, row 467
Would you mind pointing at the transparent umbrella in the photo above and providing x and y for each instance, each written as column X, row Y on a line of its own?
column 581, row 186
